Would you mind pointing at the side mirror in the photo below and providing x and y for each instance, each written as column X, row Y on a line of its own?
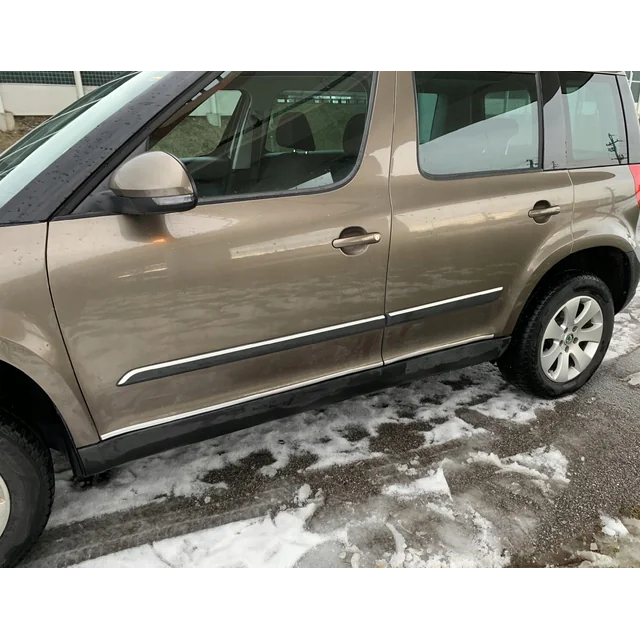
column 153, row 182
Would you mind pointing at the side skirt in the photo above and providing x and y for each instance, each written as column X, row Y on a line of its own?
column 114, row 451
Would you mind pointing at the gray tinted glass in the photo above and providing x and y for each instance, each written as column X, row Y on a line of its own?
column 596, row 128
column 471, row 122
column 273, row 132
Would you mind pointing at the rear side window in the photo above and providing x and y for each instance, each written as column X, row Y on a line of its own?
column 476, row 122
column 273, row 133
column 597, row 134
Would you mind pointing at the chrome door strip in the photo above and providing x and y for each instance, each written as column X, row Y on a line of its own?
column 163, row 369
column 230, row 403
column 291, row 387
column 439, row 303
column 376, row 320
column 255, row 349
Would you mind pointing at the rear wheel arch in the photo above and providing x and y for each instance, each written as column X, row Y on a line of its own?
column 610, row 263
column 562, row 337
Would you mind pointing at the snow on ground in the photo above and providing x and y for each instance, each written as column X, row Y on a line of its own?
column 482, row 549
column 426, row 526
column 545, row 464
column 414, row 521
column 435, row 482
column 625, row 337
column 455, row 535
column 612, row 527
column 460, row 537
column 618, row 545
column 324, row 434
column 260, row 542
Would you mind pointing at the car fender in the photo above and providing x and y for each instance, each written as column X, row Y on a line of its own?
column 30, row 338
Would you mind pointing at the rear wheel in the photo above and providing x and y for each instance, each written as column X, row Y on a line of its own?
column 26, row 490
column 560, row 342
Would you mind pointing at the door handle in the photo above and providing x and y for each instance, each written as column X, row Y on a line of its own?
column 544, row 213
column 356, row 241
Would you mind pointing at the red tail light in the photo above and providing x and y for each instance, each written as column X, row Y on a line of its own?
column 635, row 172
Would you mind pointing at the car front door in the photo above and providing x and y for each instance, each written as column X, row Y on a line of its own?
column 474, row 213
column 274, row 281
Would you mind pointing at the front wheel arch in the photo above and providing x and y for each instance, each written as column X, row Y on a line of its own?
column 23, row 398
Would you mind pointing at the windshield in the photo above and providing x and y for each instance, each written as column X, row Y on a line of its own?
column 31, row 155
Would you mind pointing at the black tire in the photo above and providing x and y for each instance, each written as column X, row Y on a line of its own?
column 27, row 471
column 521, row 365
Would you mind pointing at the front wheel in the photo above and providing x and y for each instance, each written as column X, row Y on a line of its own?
column 561, row 341
column 26, row 489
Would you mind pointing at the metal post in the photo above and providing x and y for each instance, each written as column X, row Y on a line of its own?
column 6, row 119
column 79, row 88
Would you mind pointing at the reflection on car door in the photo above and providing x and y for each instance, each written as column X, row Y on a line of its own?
column 177, row 315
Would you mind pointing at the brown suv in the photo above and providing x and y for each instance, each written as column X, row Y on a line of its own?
column 189, row 253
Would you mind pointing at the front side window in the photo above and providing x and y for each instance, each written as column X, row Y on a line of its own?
column 596, row 125
column 202, row 131
column 328, row 114
column 476, row 122
column 273, row 132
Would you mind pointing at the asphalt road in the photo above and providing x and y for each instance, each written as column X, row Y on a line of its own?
column 492, row 517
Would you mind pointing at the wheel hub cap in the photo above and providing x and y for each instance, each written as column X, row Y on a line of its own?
column 571, row 339
column 5, row 505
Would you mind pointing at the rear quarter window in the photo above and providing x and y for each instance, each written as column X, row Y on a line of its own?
column 596, row 131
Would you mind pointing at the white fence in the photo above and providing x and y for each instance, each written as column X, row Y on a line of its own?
column 34, row 99
column 38, row 99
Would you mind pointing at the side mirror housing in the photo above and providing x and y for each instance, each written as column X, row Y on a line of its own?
column 153, row 182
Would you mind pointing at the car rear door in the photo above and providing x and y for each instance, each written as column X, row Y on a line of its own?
column 475, row 216
column 274, row 281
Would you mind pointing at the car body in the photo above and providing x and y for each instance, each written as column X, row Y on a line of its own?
column 189, row 253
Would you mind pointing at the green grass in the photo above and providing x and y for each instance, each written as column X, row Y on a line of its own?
column 194, row 136
column 327, row 123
